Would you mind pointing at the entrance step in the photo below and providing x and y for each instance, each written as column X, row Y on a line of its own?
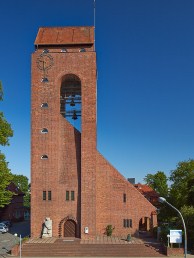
column 73, row 248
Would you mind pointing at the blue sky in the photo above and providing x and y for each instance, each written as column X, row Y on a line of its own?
column 145, row 58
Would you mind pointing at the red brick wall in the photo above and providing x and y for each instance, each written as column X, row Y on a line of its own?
column 73, row 162
column 174, row 251
column 62, row 144
column 60, row 173
column 15, row 210
column 111, row 209
column 88, row 147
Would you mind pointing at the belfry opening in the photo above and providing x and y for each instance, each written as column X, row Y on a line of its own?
column 70, row 98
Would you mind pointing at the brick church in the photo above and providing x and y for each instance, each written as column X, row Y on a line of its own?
column 71, row 182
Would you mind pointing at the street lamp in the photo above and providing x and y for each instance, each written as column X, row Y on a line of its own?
column 163, row 200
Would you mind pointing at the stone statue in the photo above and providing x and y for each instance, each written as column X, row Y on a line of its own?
column 47, row 228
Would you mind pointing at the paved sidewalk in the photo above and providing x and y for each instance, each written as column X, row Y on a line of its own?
column 112, row 240
column 7, row 241
column 97, row 240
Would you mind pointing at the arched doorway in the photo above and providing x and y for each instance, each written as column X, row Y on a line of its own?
column 70, row 228
column 145, row 224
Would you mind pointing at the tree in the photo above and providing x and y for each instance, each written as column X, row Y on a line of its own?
column 5, row 127
column 181, row 195
column 188, row 215
column 190, row 187
column 22, row 183
column 182, row 190
column 5, row 130
column 5, row 174
column 5, row 179
column 158, row 182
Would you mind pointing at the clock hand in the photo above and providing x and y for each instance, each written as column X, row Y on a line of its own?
column 44, row 62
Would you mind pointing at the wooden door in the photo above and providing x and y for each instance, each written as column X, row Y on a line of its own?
column 70, row 228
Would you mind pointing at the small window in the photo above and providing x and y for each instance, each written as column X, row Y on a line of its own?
column 44, row 130
column 44, row 79
column 124, row 197
column 44, row 105
column 130, row 223
column 49, row 195
column 82, row 50
column 124, row 223
column 127, row 223
column 64, row 50
column 44, row 195
column 67, row 195
column 45, row 51
column 44, row 157
column 72, row 195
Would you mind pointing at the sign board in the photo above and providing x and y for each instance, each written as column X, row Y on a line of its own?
column 176, row 236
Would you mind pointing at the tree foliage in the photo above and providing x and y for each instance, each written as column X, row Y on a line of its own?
column 5, row 179
column 190, row 187
column 188, row 215
column 5, row 127
column 182, row 188
column 158, row 182
column 5, row 130
column 180, row 195
column 5, row 174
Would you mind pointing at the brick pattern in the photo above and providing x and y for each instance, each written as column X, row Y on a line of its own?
column 174, row 251
column 73, row 162
column 62, row 248
column 111, row 209
column 62, row 144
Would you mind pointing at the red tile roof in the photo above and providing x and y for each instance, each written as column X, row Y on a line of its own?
column 146, row 190
column 65, row 35
column 14, row 189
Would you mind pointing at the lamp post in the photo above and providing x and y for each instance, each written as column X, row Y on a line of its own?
column 163, row 200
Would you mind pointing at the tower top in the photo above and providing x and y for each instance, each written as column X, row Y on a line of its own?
column 65, row 35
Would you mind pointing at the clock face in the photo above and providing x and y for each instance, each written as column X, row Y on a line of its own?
column 44, row 61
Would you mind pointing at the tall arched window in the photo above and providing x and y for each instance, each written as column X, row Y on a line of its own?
column 70, row 97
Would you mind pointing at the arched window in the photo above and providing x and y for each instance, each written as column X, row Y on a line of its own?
column 82, row 50
column 44, row 130
column 44, row 79
column 70, row 97
column 44, row 157
column 64, row 50
column 44, row 105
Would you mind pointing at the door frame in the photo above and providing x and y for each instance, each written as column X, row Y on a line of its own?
column 62, row 224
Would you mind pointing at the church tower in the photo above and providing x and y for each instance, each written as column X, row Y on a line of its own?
column 63, row 131
column 73, row 187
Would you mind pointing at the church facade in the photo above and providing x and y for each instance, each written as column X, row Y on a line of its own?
column 72, row 184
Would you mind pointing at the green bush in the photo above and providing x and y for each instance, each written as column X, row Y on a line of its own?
column 155, row 230
column 26, row 238
column 109, row 230
column 163, row 235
